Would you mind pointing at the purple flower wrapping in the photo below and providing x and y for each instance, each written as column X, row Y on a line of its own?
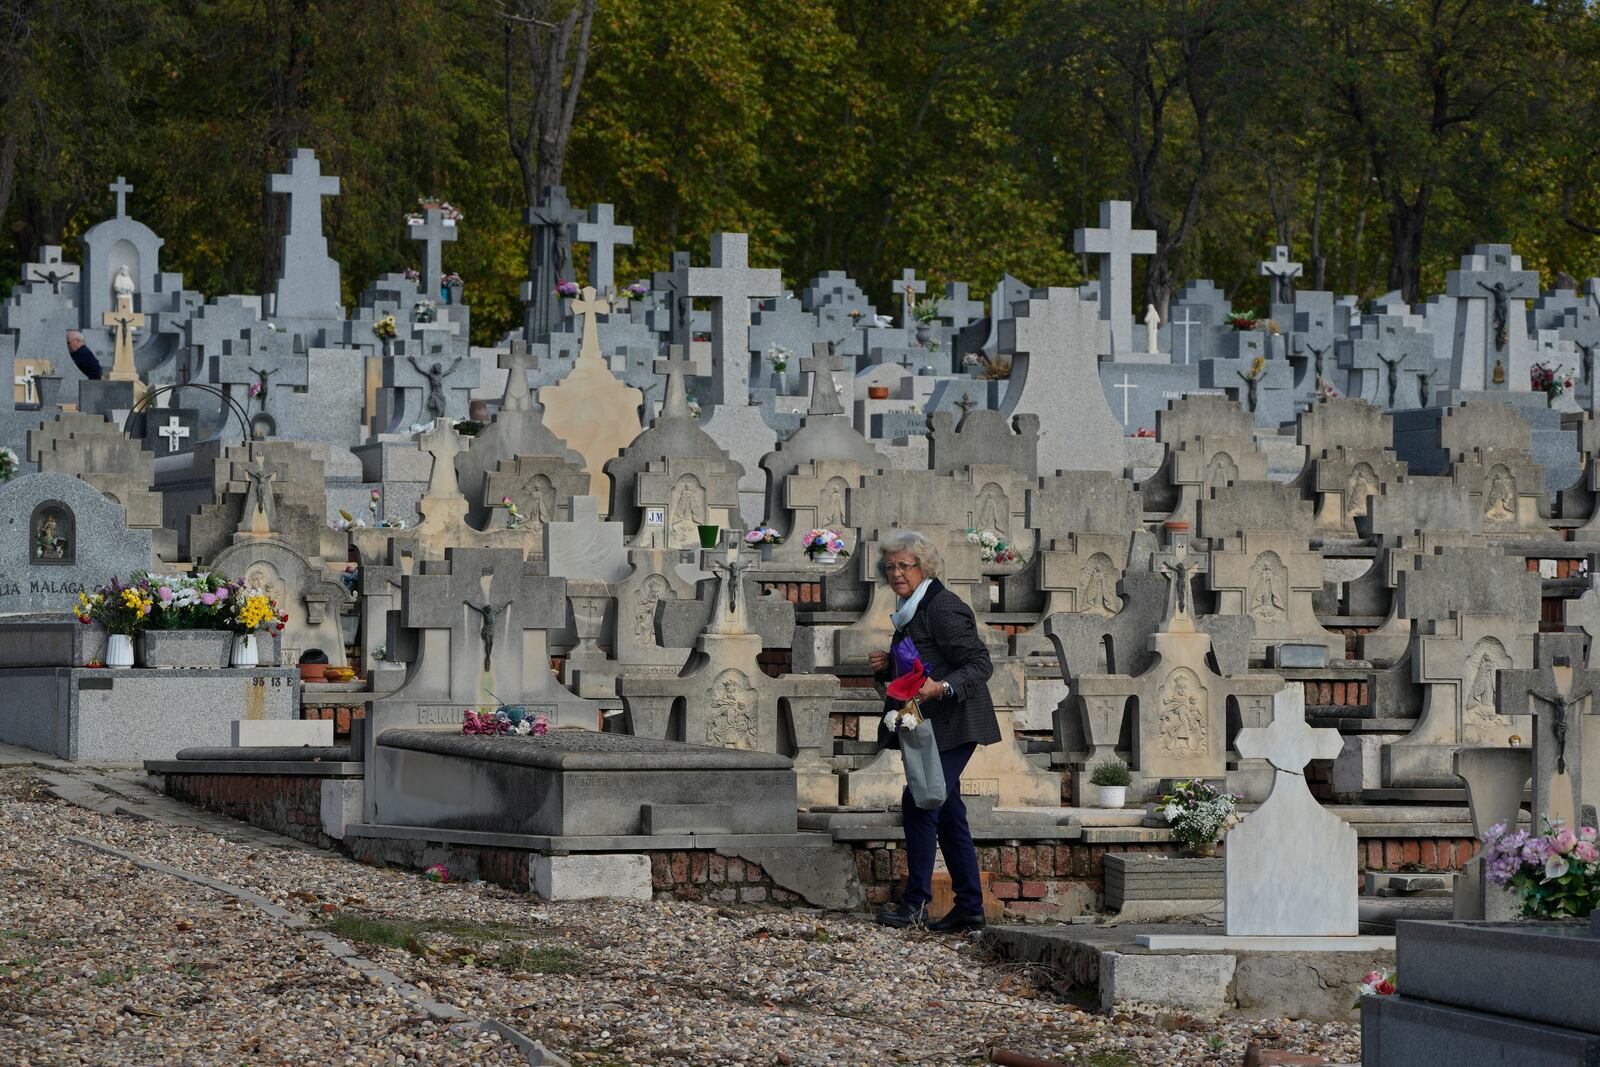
column 904, row 656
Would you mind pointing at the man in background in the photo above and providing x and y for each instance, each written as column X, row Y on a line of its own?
column 83, row 356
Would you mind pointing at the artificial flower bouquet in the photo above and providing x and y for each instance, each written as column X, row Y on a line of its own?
column 249, row 610
column 507, row 719
column 819, row 542
column 1200, row 814
column 992, row 548
column 763, row 535
column 1549, row 380
column 1555, row 871
column 183, row 602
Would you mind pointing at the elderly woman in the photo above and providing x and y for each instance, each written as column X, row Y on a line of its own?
column 934, row 625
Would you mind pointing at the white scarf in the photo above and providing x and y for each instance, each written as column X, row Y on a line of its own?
column 907, row 607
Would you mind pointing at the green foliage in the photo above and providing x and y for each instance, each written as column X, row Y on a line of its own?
column 1110, row 772
column 1379, row 139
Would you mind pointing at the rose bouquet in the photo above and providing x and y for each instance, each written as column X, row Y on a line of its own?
column 1549, row 380
column 1556, row 871
column 1378, row 984
column 1199, row 814
column 818, row 542
column 763, row 535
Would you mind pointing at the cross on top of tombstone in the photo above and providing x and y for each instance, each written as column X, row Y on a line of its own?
column 433, row 231
column 733, row 283
column 1116, row 242
column 1288, row 743
column 517, row 362
column 602, row 234
column 589, row 307
column 957, row 308
column 1282, row 272
column 443, row 444
column 821, row 364
column 121, row 188
column 675, row 405
column 908, row 286
column 1188, row 322
column 305, row 185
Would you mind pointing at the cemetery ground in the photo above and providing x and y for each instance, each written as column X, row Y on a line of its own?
column 106, row 962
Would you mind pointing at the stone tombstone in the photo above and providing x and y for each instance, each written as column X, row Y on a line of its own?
column 96, row 450
column 690, row 491
column 602, row 234
column 585, row 547
column 262, row 488
column 1283, row 272
column 308, row 281
column 1386, row 359
column 541, row 487
column 433, row 230
column 1055, row 340
column 1194, row 317
column 310, row 598
column 264, row 374
column 552, row 219
column 653, row 577
column 1475, row 613
column 1116, row 242
column 120, row 246
column 1262, row 564
column 1491, row 291
column 984, row 438
column 722, row 698
column 1348, row 461
column 1563, row 699
column 590, row 409
column 1210, row 443
column 1489, row 447
column 1286, row 867
column 59, row 537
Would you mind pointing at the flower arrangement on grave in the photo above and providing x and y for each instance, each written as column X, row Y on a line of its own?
column 385, row 328
column 927, row 309
column 1378, row 984
column 1549, row 380
column 1258, row 367
column 251, row 610
column 694, row 408
column 1326, row 391
column 449, row 210
column 820, row 542
column 452, row 281
column 507, row 719
column 254, row 390
column 1555, row 871
column 566, row 288
column 779, row 357
column 413, row 274
column 8, row 464
column 514, row 517
column 424, row 310
column 993, row 370
column 1200, row 814
column 181, row 602
column 122, row 609
column 854, row 316
column 436, row 872
column 636, row 290
column 469, row 428
column 992, row 548
column 763, row 535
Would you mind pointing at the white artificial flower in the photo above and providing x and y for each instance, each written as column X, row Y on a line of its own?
column 1170, row 812
column 891, row 719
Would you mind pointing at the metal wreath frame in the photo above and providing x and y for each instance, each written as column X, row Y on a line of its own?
column 143, row 405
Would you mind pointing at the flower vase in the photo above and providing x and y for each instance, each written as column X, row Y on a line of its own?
column 244, row 651
column 709, row 535
column 924, row 332
column 824, row 558
column 1112, row 796
column 1208, row 850
column 119, row 651
column 767, row 548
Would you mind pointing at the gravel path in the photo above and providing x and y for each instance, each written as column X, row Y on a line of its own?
column 102, row 962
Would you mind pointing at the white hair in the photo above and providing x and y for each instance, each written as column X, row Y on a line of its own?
column 918, row 545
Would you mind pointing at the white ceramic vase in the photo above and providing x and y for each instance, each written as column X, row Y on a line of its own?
column 1112, row 796
column 119, row 651
column 244, row 651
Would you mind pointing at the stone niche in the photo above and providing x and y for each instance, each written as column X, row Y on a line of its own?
column 573, row 783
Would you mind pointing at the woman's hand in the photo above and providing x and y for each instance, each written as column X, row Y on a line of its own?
column 878, row 661
column 931, row 690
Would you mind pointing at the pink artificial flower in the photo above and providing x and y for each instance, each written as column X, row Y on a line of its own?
column 1586, row 852
column 208, row 599
column 1588, row 833
column 222, row 594
column 437, row 873
column 541, row 725
column 255, row 389
column 1564, row 840
column 377, row 494
column 504, row 501
column 165, row 593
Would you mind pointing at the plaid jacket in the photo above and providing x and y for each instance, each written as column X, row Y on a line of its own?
column 946, row 635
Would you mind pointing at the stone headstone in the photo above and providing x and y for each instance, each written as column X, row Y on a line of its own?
column 308, row 280
column 1055, row 340
column 60, row 537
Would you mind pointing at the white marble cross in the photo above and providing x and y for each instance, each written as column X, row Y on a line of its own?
column 1288, row 743
column 25, row 379
column 602, row 234
column 174, row 431
column 1125, row 386
column 1116, row 242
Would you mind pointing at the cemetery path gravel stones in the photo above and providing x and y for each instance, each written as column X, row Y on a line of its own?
column 104, row 962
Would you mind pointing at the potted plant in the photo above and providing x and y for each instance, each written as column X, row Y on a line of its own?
column 122, row 610
column 926, row 313
column 186, row 627
column 248, row 612
column 1111, row 779
column 824, row 546
column 779, row 357
column 1200, row 815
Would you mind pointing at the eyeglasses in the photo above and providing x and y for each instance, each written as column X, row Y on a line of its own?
column 901, row 568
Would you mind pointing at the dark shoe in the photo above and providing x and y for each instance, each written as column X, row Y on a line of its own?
column 954, row 922
column 903, row 915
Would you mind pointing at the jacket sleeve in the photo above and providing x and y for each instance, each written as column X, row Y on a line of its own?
column 955, row 631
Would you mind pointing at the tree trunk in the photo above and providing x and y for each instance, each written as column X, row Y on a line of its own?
column 1406, row 223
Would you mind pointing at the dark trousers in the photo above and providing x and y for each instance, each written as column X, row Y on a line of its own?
column 946, row 825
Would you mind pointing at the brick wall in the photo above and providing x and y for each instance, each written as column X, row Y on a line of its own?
column 341, row 715
column 291, row 806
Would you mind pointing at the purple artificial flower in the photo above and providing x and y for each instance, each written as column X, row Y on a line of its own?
column 165, row 593
column 208, row 599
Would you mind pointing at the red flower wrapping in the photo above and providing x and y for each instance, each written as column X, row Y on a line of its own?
column 908, row 685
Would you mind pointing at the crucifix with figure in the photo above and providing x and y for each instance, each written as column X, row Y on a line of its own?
column 552, row 219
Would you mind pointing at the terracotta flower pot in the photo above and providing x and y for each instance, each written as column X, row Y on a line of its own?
column 878, row 392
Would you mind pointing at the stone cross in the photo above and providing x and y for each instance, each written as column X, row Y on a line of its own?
column 821, row 364
column 260, row 513
column 966, row 404
column 908, row 286
column 1188, row 321
column 433, row 231
column 1282, row 272
column 673, row 284
column 309, row 283
column 1126, row 386
column 675, row 405
column 25, row 379
column 517, row 362
column 174, row 431
column 732, row 283
column 589, row 308
column 1116, row 242
column 1180, row 591
column 51, row 269
column 728, row 617
column 443, row 444
column 121, row 188
column 552, row 218
column 123, row 320
column 1490, row 276
column 601, row 233
column 434, row 403
column 957, row 308
column 1378, row 348
column 1564, row 701
column 1287, row 866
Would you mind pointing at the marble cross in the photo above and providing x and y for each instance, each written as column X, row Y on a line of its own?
column 1116, row 242
column 443, row 443
column 732, row 283
column 602, row 234
column 957, row 307
column 433, row 231
column 174, row 431
column 1289, row 743
column 121, row 188
column 305, row 185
